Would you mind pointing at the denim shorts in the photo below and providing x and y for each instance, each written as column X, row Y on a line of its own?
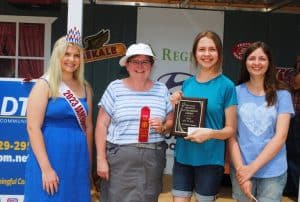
column 205, row 180
column 263, row 189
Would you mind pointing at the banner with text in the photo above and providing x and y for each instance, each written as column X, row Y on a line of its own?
column 13, row 138
column 171, row 33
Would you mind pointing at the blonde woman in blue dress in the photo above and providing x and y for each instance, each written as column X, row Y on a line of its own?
column 59, row 124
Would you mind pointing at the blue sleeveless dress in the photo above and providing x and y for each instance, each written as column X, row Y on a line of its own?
column 67, row 150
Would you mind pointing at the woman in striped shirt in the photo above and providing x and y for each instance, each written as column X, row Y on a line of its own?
column 134, row 115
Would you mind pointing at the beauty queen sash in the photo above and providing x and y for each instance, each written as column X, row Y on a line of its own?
column 75, row 104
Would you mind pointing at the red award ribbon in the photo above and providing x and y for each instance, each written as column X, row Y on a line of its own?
column 144, row 124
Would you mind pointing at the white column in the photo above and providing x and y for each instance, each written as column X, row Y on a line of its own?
column 299, row 192
column 75, row 11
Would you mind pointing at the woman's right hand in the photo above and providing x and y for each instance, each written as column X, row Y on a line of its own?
column 103, row 168
column 175, row 97
column 50, row 181
column 244, row 173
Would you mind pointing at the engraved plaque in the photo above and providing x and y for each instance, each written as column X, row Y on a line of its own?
column 189, row 112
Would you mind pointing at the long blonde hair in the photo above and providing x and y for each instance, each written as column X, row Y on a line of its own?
column 54, row 72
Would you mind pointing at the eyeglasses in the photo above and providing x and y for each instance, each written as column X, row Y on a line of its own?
column 138, row 63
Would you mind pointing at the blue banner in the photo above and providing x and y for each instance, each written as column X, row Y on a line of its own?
column 13, row 137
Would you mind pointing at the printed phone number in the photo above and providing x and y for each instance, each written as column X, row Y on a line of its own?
column 16, row 145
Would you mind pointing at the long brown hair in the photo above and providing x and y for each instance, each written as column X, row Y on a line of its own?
column 216, row 39
column 271, row 84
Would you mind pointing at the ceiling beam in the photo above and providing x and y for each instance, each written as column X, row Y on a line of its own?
column 279, row 5
column 205, row 5
column 184, row 3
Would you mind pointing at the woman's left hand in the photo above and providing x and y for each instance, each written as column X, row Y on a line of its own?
column 157, row 125
column 199, row 135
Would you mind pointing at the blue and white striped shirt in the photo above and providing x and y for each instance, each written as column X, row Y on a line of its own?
column 124, row 106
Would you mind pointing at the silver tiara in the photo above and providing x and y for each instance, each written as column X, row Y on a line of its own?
column 74, row 36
